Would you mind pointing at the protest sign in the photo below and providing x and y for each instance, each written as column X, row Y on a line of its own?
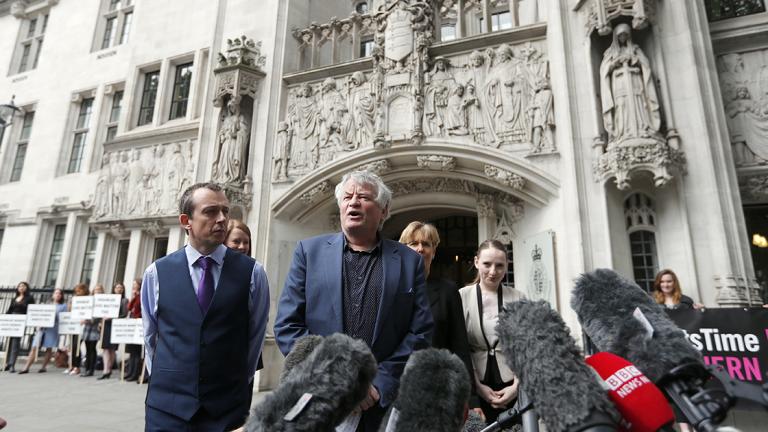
column 82, row 307
column 43, row 315
column 106, row 305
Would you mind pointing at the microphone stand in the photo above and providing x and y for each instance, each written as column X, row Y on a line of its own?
column 704, row 408
column 511, row 415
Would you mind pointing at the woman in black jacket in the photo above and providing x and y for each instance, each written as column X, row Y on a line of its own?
column 667, row 292
column 18, row 306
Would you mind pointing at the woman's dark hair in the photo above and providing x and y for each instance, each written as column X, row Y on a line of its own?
column 26, row 292
column 61, row 300
column 122, row 295
column 489, row 244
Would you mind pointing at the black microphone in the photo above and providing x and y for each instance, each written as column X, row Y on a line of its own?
column 320, row 391
column 565, row 392
column 433, row 395
column 474, row 423
column 621, row 318
column 301, row 349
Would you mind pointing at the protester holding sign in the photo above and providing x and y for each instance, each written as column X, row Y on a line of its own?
column 107, row 346
column 667, row 292
column 91, row 337
column 18, row 306
column 134, row 311
column 47, row 338
column 79, row 291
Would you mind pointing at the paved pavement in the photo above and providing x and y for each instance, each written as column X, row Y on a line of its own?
column 51, row 401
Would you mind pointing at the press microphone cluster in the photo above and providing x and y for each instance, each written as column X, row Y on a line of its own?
column 619, row 317
column 564, row 391
column 433, row 395
column 320, row 391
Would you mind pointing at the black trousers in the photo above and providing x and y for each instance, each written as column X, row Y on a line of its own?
column 90, row 355
column 14, row 348
column 76, row 349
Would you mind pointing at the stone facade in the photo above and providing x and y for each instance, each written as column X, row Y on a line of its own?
column 539, row 118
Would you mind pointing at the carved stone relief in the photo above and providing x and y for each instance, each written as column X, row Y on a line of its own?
column 601, row 13
column 378, row 167
column 316, row 193
column 632, row 117
column 486, row 205
column 500, row 97
column 229, row 162
column 754, row 188
column 436, row 162
column 744, row 87
column 504, row 177
column 143, row 181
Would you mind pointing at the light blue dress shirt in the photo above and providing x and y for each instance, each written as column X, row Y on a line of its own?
column 258, row 303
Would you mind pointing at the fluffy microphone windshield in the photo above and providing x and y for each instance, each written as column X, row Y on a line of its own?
column 337, row 374
column 302, row 348
column 434, row 392
column 540, row 350
column 605, row 302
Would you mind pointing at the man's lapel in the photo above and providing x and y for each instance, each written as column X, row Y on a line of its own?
column 329, row 262
column 391, row 267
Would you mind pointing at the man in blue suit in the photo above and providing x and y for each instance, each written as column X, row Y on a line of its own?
column 356, row 282
column 205, row 310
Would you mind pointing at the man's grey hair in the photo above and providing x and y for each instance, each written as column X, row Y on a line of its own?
column 383, row 193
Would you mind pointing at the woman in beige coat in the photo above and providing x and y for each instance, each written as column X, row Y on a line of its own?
column 481, row 301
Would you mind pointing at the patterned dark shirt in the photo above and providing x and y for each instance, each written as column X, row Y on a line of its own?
column 362, row 284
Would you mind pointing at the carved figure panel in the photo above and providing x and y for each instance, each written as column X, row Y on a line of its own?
column 143, row 182
column 744, row 86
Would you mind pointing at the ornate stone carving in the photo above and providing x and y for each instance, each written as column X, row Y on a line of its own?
column 153, row 228
column 143, row 182
column 281, row 154
column 378, row 167
column 239, row 71
column 19, row 8
column 504, row 177
column 602, row 13
column 117, row 230
column 316, row 193
column 436, row 162
column 632, row 117
column 754, row 188
column 241, row 195
column 430, row 185
column 732, row 291
column 242, row 51
column 334, row 220
column 504, row 231
column 486, row 205
column 743, row 83
column 229, row 162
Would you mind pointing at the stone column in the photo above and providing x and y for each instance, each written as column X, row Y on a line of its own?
column 99, row 262
column 176, row 239
column 132, row 269
column 486, row 217
column 66, row 250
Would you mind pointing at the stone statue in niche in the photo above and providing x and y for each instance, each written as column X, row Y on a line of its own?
column 119, row 179
column 456, row 114
column 304, row 119
column 135, row 176
column 153, row 179
column 475, row 118
column 336, row 132
column 542, row 117
column 231, row 146
column 630, row 105
column 505, row 94
column 282, row 153
column 101, row 192
column 363, row 109
column 174, row 176
column 748, row 128
column 438, row 83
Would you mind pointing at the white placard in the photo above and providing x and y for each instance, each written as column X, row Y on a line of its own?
column 69, row 325
column 12, row 325
column 43, row 315
column 127, row 331
column 106, row 305
column 82, row 307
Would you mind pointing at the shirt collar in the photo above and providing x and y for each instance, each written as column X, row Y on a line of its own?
column 372, row 250
column 217, row 255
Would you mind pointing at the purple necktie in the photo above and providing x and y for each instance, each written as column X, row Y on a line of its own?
column 205, row 287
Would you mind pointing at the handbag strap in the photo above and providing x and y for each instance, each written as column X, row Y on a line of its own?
column 491, row 349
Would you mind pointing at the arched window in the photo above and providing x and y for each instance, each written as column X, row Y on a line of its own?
column 640, row 219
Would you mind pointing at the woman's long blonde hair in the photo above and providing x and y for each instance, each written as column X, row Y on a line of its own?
column 658, row 295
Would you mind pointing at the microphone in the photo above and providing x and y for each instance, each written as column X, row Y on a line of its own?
column 641, row 404
column 563, row 389
column 621, row 318
column 474, row 423
column 301, row 349
column 320, row 391
column 433, row 395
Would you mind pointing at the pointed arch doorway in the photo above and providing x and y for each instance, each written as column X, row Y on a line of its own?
column 458, row 231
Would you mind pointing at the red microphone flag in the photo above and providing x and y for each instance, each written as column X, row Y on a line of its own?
column 638, row 400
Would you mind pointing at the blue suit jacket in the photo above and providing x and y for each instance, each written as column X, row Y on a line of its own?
column 311, row 303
